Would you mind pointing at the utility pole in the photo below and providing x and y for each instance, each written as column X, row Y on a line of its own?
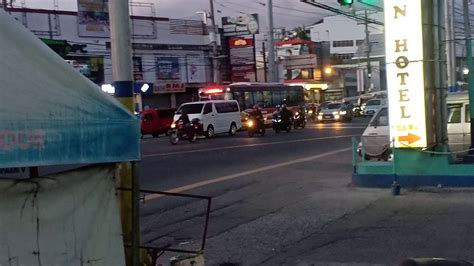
column 215, row 61
column 4, row 4
column 368, row 50
column 265, row 68
column 122, row 73
column 271, row 44
column 470, row 65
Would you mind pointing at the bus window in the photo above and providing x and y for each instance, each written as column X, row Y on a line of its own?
column 239, row 97
column 258, row 97
column 276, row 98
column 296, row 97
column 248, row 100
column 267, row 99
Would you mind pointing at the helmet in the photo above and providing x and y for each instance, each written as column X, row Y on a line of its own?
column 256, row 106
column 277, row 106
column 283, row 106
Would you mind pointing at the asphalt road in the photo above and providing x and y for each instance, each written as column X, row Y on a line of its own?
column 287, row 199
column 235, row 171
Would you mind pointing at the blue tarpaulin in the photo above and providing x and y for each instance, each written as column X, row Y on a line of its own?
column 50, row 114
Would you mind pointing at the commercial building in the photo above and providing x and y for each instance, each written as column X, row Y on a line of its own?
column 171, row 56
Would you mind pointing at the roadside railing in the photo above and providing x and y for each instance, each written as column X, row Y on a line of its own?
column 155, row 251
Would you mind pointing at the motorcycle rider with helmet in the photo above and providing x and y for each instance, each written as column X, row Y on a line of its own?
column 257, row 115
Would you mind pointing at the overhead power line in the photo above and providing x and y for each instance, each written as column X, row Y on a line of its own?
column 341, row 12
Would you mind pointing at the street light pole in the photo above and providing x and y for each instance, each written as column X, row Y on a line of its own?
column 122, row 73
column 470, row 65
column 368, row 50
column 213, row 34
column 271, row 44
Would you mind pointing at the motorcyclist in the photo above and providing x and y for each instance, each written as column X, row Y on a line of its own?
column 257, row 115
column 302, row 111
column 184, row 118
column 286, row 115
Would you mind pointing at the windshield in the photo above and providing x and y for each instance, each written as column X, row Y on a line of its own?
column 373, row 102
column 333, row 106
column 191, row 108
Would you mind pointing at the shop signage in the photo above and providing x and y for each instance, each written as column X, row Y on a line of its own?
column 240, row 25
column 405, row 79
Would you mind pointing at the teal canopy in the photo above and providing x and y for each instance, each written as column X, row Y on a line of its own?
column 50, row 114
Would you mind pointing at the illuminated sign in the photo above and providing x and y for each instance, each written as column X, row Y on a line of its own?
column 405, row 80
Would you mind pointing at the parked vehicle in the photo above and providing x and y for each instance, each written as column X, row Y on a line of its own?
column 181, row 131
column 280, row 124
column 377, row 134
column 299, row 120
column 335, row 112
column 156, row 121
column 255, row 127
column 217, row 116
column 373, row 106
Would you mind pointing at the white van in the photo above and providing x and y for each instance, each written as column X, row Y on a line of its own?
column 216, row 116
column 459, row 121
column 373, row 106
column 377, row 134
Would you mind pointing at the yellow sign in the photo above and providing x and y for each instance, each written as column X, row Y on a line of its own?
column 405, row 80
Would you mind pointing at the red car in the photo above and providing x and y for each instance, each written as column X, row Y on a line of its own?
column 156, row 121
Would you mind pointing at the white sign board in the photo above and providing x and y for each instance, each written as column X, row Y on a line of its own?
column 405, row 80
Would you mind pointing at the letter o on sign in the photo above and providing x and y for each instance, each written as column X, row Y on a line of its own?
column 402, row 62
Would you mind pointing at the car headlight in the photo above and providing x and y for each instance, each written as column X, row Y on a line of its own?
column 173, row 125
column 337, row 116
column 320, row 117
column 335, row 113
column 343, row 112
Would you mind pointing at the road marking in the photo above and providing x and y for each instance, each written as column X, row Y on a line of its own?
column 246, row 146
column 245, row 173
column 334, row 127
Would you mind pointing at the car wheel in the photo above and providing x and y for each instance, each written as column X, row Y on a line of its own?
column 210, row 132
column 233, row 129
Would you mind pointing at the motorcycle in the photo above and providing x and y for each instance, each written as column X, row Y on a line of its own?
column 312, row 115
column 299, row 120
column 279, row 124
column 180, row 131
column 253, row 126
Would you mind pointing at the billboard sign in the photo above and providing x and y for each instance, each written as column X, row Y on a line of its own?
column 167, row 68
column 93, row 18
column 242, row 59
column 196, row 69
column 405, row 79
column 240, row 25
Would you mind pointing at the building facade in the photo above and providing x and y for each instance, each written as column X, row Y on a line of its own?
column 171, row 56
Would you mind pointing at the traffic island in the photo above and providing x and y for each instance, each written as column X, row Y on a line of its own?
column 414, row 168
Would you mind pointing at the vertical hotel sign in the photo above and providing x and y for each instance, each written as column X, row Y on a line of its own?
column 405, row 79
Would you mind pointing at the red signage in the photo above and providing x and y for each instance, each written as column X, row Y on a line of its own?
column 240, row 42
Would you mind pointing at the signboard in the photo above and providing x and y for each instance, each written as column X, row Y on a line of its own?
column 242, row 59
column 196, row 68
column 245, row 73
column 167, row 68
column 137, row 69
column 405, row 80
column 168, row 87
column 241, row 25
column 93, row 18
